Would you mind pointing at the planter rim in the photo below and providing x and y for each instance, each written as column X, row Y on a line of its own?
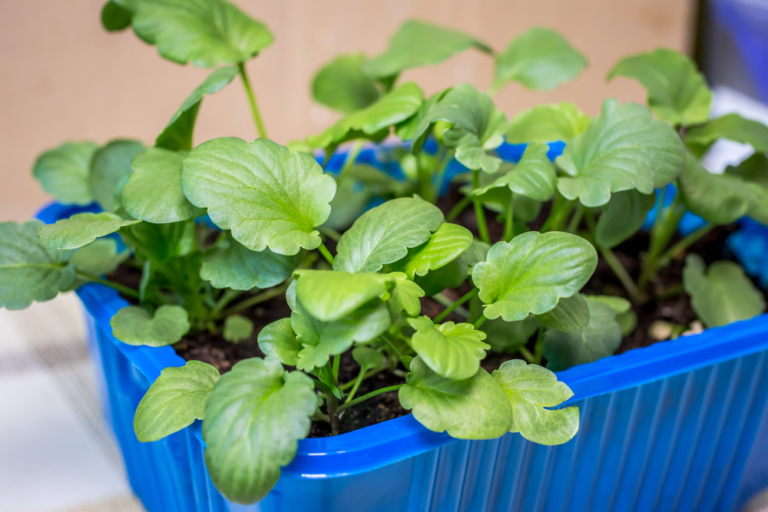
column 394, row 440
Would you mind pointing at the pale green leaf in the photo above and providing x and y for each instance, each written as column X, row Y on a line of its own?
column 677, row 91
column 330, row 295
column 266, row 195
column 540, row 59
column 754, row 170
column 533, row 177
column 110, row 166
column 174, row 401
column 404, row 296
column 444, row 246
column 451, row 350
column 570, row 315
column 531, row 389
column 64, row 172
column 100, row 257
column 279, row 341
column 530, row 274
column 237, row 328
column 162, row 241
column 342, row 85
column 81, row 229
column 618, row 304
column 455, row 272
column 509, row 336
column 722, row 294
column 624, row 148
column 406, row 129
column 547, row 123
column 254, row 418
column 134, row 325
column 474, row 408
column 623, row 217
column 732, row 127
column 368, row 358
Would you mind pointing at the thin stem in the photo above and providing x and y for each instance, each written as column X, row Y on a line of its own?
column 336, row 364
column 479, row 322
column 445, row 301
column 256, row 299
column 252, row 100
column 228, row 296
column 358, row 381
column 494, row 89
column 467, row 296
column 618, row 269
column 683, row 244
column 368, row 374
column 573, row 225
column 458, row 208
column 527, row 355
column 130, row 292
column 351, row 158
column 326, row 253
column 330, row 233
column 509, row 231
column 394, row 348
column 369, row 395
column 671, row 292
column 659, row 208
column 333, row 413
column 321, row 417
column 482, row 226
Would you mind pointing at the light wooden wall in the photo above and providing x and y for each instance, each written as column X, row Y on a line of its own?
column 62, row 77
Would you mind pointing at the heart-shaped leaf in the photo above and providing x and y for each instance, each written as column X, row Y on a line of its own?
column 624, row 148
column 136, row 326
column 100, row 257
column 110, row 166
column 266, row 195
column 732, row 127
column 177, row 134
column 474, row 408
column 417, row 44
column 600, row 338
column 64, row 172
column 384, row 234
column 237, row 328
column 509, row 336
column 330, row 295
column 153, row 192
column 174, row 401
column 29, row 273
column 570, row 315
column 722, row 294
column 81, row 229
column 203, row 32
column 531, row 273
column 530, row 389
column 444, row 246
column 624, row 215
column 754, row 170
column 547, row 123
column 239, row 268
column 540, row 59
column 533, row 177
column 279, row 341
column 404, row 296
column 677, row 91
column 254, row 418
column 451, row 350
column 342, row 85
column 455, row 272
column 368, row 358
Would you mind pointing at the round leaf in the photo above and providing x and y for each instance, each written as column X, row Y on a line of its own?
column 330, row 295
column 623, row 217
column 29, row 273
column 367, row 357
column 279, row 341
column 570, row 315
column 533, row 177
column 451, row 350
column 509, row 336
column 624, row 148
column 111, row 165
column 136, row 326
column 174, row 401
column 444, row 246
column 237, row 328
column 267, row 196
column 474, row 408
column 547, row 123
column 530, row 274
column 81, row 229
column 342, row 85
column 754, row 170
column 64, row 172
column 115, row 17
column 530, row 389
column 732, row 127
column 254, row 418
column 98, row 258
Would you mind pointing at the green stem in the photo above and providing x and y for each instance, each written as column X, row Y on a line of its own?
column 671, row 292
column 618, row 269
column 368, row 374
column 495, row 88
column 527, row 355
column 661, row 234
column 391, row 345
column 683, row 244
column 358, row 381
column 330, row 233
column 336, row 364
column 573, row 225
column 354, row 151
column 321, row 417
column 333, row 413
column 256, row 299
column 228, row 296
column 479, row 322
column 130, row 292
column 252, row 100
column 482, row 227
column 467, row 296
column 369, row 395
column 445, row 301
column 457, row 209
column 509, row 230
column 326, row 253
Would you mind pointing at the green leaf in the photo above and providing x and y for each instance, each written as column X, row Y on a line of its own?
column 451, row 350
column 677, row 91
column 540, row 59
column 153, row 192
column 417, row 44
column 570, row 315
column 98, row 258
column 330, row 295
column 253, row 420
column 279, row 341
column 174, row 401
column 384, row 234
column 455, row 272
column 28, row 272
column 444, row 246
column 177, row 134
column 624, row 148
column 754, row 170
column 368, row 358
column 374, row 121
column 163, row 241
column 600, row 338
column 533, row 177
column 530, row 389
column 342, row 85
column 267, row 196
column 237, row 328
column 64, row 172
column 721, row 295
column 627, row 322
column 404, row 296
column 623, row 217
column 234, row 266
column 110, row 166
column 476, row 127
column 81, row 229
column 547, row 123
column 136, row 326
column 619, row 305
column 732, row 127
column 530, row 274
column 474, row 408
column 509, row 336
column 204, row 32
column 115, row 17
column 406, row 129
column 719, row 198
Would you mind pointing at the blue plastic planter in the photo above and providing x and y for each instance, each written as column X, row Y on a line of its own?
column 678, row 426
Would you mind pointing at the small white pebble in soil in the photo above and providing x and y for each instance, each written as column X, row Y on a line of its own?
column 696, row 327
column 660, row 330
